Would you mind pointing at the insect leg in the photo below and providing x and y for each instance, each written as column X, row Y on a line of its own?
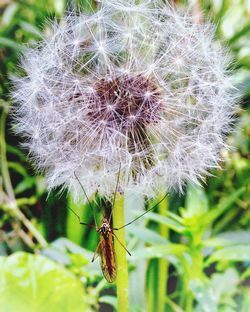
column 152, row 208
column 80, row 222
column 121, row 243
column 86, row 197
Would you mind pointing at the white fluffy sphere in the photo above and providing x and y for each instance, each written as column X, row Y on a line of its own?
column 139, row 87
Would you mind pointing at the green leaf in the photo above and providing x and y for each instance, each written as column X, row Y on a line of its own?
column 60, row 250
column 30, row 201
column 146, row 235
column 225, row 284
column 196, row 202
column 172, row 224
column 87, row 6
column 219, row 291
column 241, row 79
column 9, row 13
column 204, row 295
column 59, row 6
column 6, row 42
column 78, row 260
column 228, row 239
column 109, row 300
column 231, row 253
column 34, row 283
column 244, row 31
column 31, row 29
column 25, row 185
column 65, row 245
column 245, row 274
column 225, row 204
column 159, row 251
column 13, row 150
column 18, row 168
column 245, row 301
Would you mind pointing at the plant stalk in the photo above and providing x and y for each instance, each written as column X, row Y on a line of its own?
column 163, row 263
column 121, row 256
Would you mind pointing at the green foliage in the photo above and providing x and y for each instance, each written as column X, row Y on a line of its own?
column 204, row 254
column 34, row 283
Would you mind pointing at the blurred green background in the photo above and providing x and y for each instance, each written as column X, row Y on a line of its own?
column 190, row 254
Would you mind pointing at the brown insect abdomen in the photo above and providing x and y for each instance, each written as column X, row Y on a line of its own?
column 108, row 260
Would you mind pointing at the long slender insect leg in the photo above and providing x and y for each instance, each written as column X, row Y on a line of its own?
column 87, row 198
column 96, row 254
column 152, row 208
column 121, row 243
column 80, row 222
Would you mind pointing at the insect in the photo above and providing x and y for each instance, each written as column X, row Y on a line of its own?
column 105, row 247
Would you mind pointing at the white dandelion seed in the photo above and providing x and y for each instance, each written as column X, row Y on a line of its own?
column 133, row 85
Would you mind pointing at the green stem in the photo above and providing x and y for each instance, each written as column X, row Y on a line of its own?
column 189, row 302
column 152, row 286
column 163, row 263
column 121, row 256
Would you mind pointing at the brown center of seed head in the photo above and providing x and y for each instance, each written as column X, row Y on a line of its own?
column 125, row 102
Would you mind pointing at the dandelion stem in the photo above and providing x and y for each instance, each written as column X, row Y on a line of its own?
column 121, row 257
column 163, row 263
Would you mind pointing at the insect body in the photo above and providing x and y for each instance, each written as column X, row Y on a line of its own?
column 106, row 250
column 105, row 247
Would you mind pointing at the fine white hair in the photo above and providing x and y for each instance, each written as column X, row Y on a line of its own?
column 135, row 87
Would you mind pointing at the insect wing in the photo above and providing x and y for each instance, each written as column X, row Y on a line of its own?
column 108, row 260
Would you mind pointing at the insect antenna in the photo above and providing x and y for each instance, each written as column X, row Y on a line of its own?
column 116, row 188
column 92, row 208
column 152, row 208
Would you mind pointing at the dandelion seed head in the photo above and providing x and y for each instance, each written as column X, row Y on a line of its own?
column 136, row 86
